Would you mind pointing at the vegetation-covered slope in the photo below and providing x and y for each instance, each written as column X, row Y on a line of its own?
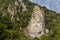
column 52, row 22
column 12, row 29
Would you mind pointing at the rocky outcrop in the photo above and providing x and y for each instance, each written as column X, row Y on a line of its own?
column 19, row 7
column 11, row 11
column 36, row 25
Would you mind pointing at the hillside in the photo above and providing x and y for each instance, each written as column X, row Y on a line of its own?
column 16, row 16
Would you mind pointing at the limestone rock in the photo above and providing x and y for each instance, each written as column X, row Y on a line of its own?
column 36, row 25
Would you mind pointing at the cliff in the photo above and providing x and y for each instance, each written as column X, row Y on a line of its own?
column 36, row 25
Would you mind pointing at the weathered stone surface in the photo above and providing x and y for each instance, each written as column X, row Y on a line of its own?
column 16, row 3
column 11, row 11
column 36, row 25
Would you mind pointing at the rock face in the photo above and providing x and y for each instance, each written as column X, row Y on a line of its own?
column 36, row 25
